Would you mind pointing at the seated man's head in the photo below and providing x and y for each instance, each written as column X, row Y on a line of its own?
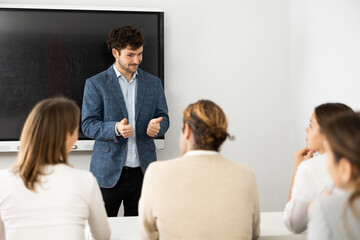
column 204, row 127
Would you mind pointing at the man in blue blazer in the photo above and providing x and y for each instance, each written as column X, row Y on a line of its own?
column 123, row 109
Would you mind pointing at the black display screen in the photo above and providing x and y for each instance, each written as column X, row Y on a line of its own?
column 47, row 52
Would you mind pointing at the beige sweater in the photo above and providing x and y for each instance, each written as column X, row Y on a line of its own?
column 199, row 197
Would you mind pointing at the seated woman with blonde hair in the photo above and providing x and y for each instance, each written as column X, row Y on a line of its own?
column 200, row 195
column 337, row 216
column 42, row 197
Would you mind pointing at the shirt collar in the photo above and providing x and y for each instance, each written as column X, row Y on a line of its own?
column 200, row 152
column 118, row 74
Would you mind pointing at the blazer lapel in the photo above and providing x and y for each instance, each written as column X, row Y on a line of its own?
column 116, row 90
column 141, row 86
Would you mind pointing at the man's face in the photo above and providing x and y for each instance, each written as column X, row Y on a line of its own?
column 128, row 60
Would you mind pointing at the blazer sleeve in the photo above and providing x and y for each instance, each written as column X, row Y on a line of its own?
column 162, row 111
column 92, row 114
column 147, row 222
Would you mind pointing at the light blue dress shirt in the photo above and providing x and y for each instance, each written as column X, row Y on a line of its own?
column 128, row 90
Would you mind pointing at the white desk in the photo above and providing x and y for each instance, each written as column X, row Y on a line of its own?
column 271, row 228
column 124, row 228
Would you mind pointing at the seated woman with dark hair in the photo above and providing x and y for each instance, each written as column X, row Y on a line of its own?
column 310, row 176
column 42, row 197
column 337, row 216
column 200, row 195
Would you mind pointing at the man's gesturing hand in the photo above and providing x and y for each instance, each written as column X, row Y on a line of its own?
column 154, row 127
column 124, row 128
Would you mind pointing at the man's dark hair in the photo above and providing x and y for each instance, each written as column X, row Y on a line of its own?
column 125, row 36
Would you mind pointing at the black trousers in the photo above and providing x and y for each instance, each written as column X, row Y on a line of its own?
column 127, row 189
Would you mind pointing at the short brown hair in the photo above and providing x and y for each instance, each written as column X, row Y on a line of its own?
column 208, row 124
column 125, row 36
column 43, row 138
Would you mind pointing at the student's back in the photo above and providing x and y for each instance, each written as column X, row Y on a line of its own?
column 42, row 196
column 202, row 197
column 57, row 210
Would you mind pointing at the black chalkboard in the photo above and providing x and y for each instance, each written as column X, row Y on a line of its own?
column 51, row 52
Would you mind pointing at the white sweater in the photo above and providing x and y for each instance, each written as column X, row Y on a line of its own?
column 58, row 209
column 311, row 180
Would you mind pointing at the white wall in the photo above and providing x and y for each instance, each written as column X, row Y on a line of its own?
column 236, row 53
column 325, row 57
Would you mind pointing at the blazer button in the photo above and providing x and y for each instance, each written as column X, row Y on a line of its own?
column 123, row 146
